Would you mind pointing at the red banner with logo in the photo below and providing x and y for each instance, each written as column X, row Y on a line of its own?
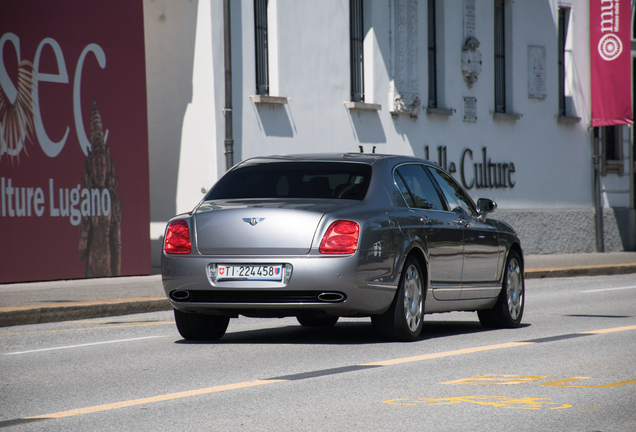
column 74, row 198
column 610, row 62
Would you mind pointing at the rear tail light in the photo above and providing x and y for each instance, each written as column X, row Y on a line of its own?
column 178, row 238
column 340, row 238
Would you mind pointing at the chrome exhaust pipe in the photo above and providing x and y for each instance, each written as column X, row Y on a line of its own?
column 331, row 297
column 180, row 295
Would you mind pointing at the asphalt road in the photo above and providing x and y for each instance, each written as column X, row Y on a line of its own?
column 569, row 367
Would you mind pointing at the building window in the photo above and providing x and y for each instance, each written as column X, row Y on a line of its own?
column 564, row 15
column 633, row 20
column 612, row 150
column 432, row 56
column 500, row 58
column 260, row 32
column 356, row 50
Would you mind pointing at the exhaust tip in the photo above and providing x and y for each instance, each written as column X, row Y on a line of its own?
column 331, row 297
column 180, row 295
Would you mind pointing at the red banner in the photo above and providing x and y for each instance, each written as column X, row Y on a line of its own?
column 73, row 140
column 610, row 62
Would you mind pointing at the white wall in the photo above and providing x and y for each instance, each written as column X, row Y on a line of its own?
column 552, row 160
column 203, row 120
column 309, row 64
column 169, row 29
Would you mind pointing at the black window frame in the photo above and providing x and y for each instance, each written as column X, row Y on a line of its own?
column 432, row 55
column 500, row 56
column 611, row 138
column 261, row 47
column 563, row 21
column 356, row 49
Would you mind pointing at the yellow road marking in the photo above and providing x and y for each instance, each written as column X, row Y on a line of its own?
column 89, row 328
column 161, row 398
column 83, row 303
column 254, row 383
column 561, row 383
column 497, row 379
column 591, row 409
column 447, row 354
column 495, row 401
column 610, row 330
column 114, row 320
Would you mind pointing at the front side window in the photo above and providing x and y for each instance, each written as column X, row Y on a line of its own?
column 294, row 180
column 458, row 200
column 417, row 188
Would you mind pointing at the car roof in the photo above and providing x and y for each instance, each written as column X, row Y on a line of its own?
column 366, row 158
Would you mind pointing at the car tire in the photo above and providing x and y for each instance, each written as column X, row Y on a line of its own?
column 200, row 327
column 404, row 319
column 317, row 321
column 508, row 310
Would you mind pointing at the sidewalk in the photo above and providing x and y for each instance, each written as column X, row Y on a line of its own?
column 40, row 302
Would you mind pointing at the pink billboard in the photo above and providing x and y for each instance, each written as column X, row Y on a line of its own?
column 610, row 59
column 74, row 198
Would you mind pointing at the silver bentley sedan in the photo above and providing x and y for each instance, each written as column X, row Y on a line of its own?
column 325, row 236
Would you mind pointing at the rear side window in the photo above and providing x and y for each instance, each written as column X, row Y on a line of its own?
column 417, row 188
column 405, row 192
column 294, row 180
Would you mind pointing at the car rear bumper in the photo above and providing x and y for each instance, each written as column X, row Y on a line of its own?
column 332, row 284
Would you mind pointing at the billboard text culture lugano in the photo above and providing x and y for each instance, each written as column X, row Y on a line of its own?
column 610, row 59
column 74, row 136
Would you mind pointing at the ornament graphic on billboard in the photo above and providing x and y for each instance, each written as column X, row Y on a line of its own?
column 610, row 47
column 100, row 228
column 16, row 104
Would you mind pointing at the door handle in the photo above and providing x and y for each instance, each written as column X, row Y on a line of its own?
column 426, row 220
column 463, row 222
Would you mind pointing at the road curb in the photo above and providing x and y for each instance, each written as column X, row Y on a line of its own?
column 39, row 314
column 598, row 270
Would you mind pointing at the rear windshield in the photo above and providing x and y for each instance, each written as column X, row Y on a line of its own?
column 294, row 180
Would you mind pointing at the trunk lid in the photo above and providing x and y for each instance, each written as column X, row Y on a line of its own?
column 260, row 226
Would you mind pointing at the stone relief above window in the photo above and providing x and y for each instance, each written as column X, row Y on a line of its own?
column 404, row 97
column 471, row 61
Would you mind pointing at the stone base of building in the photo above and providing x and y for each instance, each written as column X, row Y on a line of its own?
column 550, row 231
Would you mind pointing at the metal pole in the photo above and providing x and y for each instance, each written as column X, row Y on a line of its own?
column 227, row 111
column 598, row 209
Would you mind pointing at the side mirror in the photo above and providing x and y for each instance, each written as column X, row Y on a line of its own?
column 485, row 206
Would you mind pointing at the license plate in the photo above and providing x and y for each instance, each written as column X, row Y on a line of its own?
column 249, row 272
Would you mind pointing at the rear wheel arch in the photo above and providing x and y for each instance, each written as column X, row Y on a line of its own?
column 418, row 253
column 403, row 320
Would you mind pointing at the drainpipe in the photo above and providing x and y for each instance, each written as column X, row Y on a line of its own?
column 227, row 111
column 598, row 209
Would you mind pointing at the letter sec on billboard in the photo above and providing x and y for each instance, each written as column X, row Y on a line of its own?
column 74, row 198
column 610, row 58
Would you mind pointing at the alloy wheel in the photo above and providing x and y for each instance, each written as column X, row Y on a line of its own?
column 413, row 298
column 514, row 289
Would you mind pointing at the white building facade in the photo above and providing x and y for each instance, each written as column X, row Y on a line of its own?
column 495, row 91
